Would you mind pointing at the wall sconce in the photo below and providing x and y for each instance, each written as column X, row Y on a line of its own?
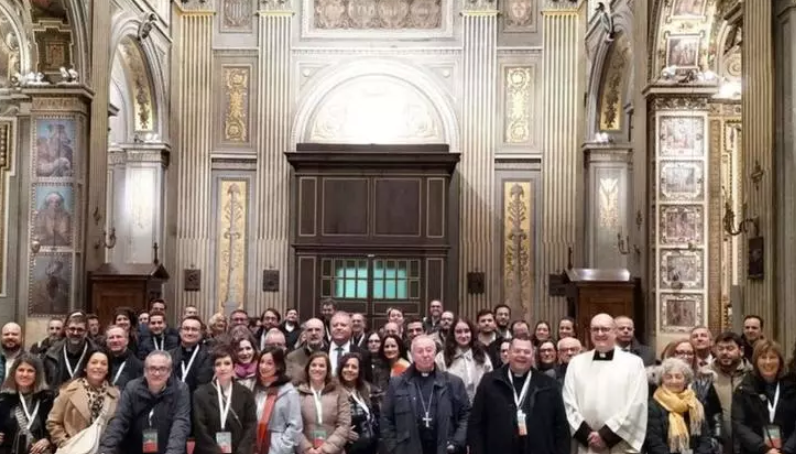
column 107, row 241
column 743, row 227
column 35, row 245
column 622, row 245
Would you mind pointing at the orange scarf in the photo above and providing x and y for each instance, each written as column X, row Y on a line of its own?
column 263, row 436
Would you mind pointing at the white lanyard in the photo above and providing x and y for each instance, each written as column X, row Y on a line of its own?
column 186, row 369
column 119, row 372
column 77, row 366
column 518, row 399
column 151, row 412
column 317, row 395
column 360, row 403
column 223, row 410
column 772, row 406
column 30, row 416
column 155, row 341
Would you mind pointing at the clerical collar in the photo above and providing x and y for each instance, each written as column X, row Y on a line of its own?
column 604, row 356
column 424, row 374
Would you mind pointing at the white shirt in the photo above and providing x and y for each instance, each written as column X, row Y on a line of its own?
column 333, row 354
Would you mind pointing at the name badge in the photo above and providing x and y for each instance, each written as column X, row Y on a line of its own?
column 318, row 438
column 773, row 436
column 224, row 442
column 150, row 441
column 522, row 429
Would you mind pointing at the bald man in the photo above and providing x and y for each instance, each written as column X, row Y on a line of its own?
column 605, row 394
column 12, row 346
column 314, row 333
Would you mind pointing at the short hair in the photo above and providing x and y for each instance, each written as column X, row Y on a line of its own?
column 191, row 317
column 729, row 336
column 483, row 313
column 222, row 350
column 502, row 306
column 153, row 301
column 670, row 365
column 522, row 337
column 274, row 311
column 764, row 346
column 699, row 327
column 423, row 337
column 755, row 317
column 88, row 317
column 329, row 302
column 77, row 317
column 391, row 309
column 518, row 322
column 157, row 314
column 110, row 327
column 161, row 353
column 413, row 319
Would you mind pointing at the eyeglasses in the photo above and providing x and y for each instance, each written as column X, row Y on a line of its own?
column 683, row 353
column 600, row 329
column 157, row 370
column 75, row 330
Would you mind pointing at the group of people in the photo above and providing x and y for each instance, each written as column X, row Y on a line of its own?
column 440, row 384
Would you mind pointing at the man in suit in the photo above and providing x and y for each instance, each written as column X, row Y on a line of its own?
column 341, row 344
column 626, row 340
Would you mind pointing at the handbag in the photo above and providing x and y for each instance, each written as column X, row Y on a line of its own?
column 87, row 440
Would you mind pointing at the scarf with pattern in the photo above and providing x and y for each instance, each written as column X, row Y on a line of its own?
column 678, row 404
column 96, row 398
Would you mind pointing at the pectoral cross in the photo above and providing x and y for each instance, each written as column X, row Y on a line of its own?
column 427, row 420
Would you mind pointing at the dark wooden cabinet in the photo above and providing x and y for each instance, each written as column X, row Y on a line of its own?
column 594, row 291
column 131, row 285
column 372, row 226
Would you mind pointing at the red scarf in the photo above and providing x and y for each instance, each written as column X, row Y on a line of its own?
column 263, row 436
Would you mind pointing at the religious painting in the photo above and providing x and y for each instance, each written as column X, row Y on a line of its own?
column 689, row 9
column 54, row 148
column 50, row 284
column 680, row 312
column 681, row 269
column 9, row 51
column 682, row 51
column 682, row 224
column 681, row 137
column 681, row 180
column 53, row 215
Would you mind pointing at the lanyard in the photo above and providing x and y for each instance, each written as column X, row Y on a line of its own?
column 518, row 399
column 186, row 369
column 360, row 402
column 317, row 395
column 772, row 406
column 155, row 341
column 151, row 412
column 77, row 366
column 30, row 416
column 119, row 372
column 223, row 410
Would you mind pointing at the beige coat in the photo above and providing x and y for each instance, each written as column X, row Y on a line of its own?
column 336, row 418
column 70, row 413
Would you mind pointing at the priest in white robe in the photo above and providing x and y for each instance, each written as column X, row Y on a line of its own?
column 605, row 395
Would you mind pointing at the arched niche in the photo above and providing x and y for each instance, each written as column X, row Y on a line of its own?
column 376, row 102
column 611, row 94
column 132, row 92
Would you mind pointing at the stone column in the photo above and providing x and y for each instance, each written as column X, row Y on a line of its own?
column 563, row 49
column 757, row 145
column 137, row 180
column 53, row 204
column 785, row 163
column 193, row 116
column 477, row 166
column 274, row 120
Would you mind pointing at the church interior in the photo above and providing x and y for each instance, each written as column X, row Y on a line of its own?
column 272, row 153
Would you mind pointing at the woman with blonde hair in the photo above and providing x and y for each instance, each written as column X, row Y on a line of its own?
column 676, row 421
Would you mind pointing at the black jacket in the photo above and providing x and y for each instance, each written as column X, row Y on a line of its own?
column 657, row 440
column 201, row 370
column 147, row 343
column 133, row 368
column 54, row 366
column 171, row 410
column 750, row 415
column 492, row 427
column 241, row 420
column 399, row 425
column 9, row 427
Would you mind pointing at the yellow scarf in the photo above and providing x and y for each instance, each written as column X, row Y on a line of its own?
column 677, row 404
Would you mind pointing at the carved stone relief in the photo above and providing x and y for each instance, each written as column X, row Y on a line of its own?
column 519, row 16
column 236, row 115
column 237, row 16
column 519, row 82
column 613, row 85
column 138, row 77
column 518, row 243
column 9, row 50
column 378, row 15
column 233, row 199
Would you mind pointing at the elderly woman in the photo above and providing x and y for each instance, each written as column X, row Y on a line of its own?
column 764, row 404
column 25, row 403
column 676, row 421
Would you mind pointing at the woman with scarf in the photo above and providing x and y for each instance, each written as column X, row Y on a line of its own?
column 25, row 403
column 676, row 421
column 764, row 404
column 464, row 357
column 245, row 363
column 279, row 423
column 81, row 401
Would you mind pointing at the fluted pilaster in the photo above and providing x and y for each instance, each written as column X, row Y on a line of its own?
column 562, row 162
column 193, row 73
column 272, row 248
column 479, row 30
column 98, row 135
column 757, row 109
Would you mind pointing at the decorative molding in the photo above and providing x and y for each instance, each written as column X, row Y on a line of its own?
column 369, row 19
column 236, row 115
column 613, row 86
column 395, row 51
column 519, row 16
column 7, row 147
column 141, row 88
column 232, row 240
column 518, row 244
column 680, row 103
column 236, row 16
column 519, row 103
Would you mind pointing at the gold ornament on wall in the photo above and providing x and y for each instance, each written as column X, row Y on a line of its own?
column 518, row 245
column 237, row 97
column 231, row 240
column 135, row 69
column 519, row 86
column 613, row 84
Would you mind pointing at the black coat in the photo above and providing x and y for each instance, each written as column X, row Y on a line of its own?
column 171, row 410
column 492, row 427
column 201, row 371
column 399, row 425
column 147, row 344
column 9, row 427
column 133, row 368
column 657, row 440
column 241, row 420
column 750, row 415
column 55, row 368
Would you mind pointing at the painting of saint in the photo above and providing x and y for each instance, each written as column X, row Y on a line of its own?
column 54, row 148
column 683, row 51
column 682, row 136
column 681, row 180
column 52, row 220
column 51, row 284
column 681, row 311
column 681, row 224
column 688, row 8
